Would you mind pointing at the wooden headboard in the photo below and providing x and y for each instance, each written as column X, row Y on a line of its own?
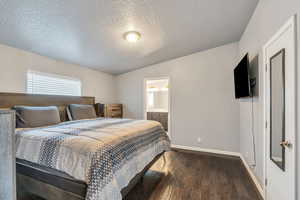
column 8, row 100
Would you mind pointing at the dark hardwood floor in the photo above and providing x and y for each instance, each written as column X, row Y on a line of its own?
column 193, row 176
column 182, row 175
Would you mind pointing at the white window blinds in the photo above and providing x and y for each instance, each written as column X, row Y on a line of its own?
column 51, row 84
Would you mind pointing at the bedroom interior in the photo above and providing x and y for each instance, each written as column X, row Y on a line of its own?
column 152, row 100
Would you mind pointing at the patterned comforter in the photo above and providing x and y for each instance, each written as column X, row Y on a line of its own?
column 105, row 153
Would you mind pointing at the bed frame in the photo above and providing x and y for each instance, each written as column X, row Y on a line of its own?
column 36, row 182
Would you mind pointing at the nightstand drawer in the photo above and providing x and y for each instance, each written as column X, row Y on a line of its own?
column 113, row 110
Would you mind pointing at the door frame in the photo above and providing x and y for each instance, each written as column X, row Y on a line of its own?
column 291, row 22
column 169, row 99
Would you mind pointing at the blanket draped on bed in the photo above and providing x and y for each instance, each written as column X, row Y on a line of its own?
column 105, row 153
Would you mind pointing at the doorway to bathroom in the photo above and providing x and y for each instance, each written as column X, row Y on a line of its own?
column 157, row 101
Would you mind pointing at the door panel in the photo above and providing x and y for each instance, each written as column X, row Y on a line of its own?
column 280, row 114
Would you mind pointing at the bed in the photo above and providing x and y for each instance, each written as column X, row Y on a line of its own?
column 90, row 159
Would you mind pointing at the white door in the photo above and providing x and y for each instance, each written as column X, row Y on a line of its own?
column 279, row 57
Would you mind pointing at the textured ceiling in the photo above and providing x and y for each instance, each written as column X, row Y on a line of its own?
column 90, row 32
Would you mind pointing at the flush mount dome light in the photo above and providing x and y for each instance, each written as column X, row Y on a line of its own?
column 132, row 36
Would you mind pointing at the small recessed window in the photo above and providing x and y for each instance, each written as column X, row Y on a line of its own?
column 52, row 84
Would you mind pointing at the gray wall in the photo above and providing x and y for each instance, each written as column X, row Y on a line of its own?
column 15, row 63
column 202, row 97
column 268, row 17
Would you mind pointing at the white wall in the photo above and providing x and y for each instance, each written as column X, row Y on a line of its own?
column 202, row 97
column 14, row 64
column 268, row 17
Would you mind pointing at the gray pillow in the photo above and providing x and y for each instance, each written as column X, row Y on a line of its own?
column 31, row 117
column 81, row 111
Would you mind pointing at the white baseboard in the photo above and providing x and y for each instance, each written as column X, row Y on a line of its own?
column 253, row 177
column 228, row 153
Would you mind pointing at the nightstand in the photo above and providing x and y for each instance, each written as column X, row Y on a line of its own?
column 113, row 110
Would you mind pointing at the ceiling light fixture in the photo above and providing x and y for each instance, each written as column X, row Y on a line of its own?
column 132, row 36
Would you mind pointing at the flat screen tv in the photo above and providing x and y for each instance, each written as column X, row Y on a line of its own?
column 242, row 79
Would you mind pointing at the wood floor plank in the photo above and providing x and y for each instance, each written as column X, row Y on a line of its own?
column 184, row 175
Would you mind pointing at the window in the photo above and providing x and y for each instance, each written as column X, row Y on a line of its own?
column 51, row 84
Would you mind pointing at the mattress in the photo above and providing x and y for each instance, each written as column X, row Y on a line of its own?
column 103, row 153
